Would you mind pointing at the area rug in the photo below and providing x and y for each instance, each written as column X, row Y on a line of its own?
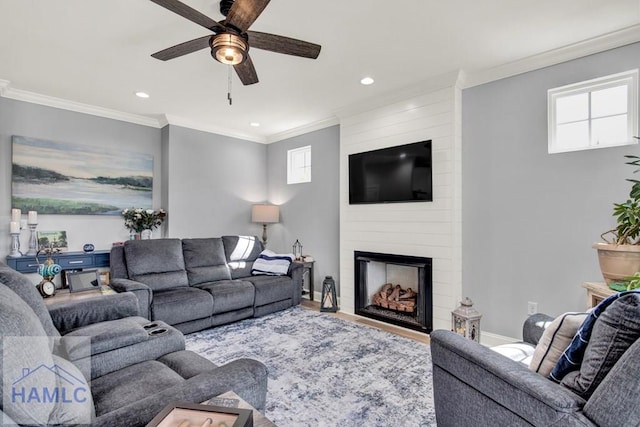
column 325, row 371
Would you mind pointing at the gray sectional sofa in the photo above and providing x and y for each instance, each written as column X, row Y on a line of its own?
column 135, row 371
column 194, row 284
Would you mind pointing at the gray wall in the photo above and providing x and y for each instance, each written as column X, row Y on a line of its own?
column 213, row 180
column 529, row 218
column 37, row 121
column 310, row 211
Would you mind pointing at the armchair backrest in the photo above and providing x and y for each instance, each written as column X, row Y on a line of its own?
column 22, row 286
column 205, row 260
column 158, row 263
column 241, row 252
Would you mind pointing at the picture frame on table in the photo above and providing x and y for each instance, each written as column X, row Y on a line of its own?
column 83, row 280
column 197, row 414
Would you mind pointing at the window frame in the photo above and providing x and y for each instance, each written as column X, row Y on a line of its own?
column 292, row 171
column 628, row 78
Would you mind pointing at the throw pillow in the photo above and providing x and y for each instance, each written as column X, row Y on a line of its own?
column 555, row 339
column 271, row 263
column 614, row 331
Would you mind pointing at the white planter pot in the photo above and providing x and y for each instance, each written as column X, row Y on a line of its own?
column 146, row 234
column 617, row 261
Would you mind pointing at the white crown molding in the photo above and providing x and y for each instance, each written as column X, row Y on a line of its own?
column 185, row 123
column 301, row 130
column 6, row 91
column 587, row 47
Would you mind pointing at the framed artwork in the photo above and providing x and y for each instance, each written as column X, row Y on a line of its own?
column 53, row 177
column 53, row 240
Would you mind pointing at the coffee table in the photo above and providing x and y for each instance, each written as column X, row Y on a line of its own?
column 259, row 420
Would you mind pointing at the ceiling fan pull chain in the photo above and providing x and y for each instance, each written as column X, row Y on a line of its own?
column 229, row 85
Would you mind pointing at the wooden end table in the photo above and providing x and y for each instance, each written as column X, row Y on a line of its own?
column 596, row 292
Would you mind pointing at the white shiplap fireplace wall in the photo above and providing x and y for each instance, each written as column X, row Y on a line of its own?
column 426, row 229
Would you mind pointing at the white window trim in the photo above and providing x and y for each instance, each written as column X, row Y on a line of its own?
column 290, row 169
column 628, row 77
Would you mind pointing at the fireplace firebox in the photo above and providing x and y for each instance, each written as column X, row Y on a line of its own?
column 396, row 289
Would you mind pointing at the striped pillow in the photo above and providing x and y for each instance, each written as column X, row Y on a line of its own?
column 271, row 264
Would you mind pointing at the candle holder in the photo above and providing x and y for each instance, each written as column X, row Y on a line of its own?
column 33, row 241
column 15, row 245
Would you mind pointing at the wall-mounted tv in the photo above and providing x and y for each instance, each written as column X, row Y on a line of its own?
column 391, row 175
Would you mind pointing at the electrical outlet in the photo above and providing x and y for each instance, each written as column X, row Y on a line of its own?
column 532, row 308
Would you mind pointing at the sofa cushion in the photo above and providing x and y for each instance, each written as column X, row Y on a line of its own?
column 137, row 382
column 614, row 331
column 205, row 260
column 158, row 263
column 272, row 264
column 229, row 295
column 180, row 305
column 240, row 252
column 21, row 285
column 555, row 339
column 25, row 358
column 518, row 351
column 271, row 288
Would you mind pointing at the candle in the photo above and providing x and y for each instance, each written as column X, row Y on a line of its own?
column 33, row 217
column 14, row 227
column 15, row 215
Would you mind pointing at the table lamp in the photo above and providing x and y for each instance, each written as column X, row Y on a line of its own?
column 265, row 214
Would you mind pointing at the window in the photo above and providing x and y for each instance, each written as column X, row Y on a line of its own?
column 299, row 165
column 594, row 114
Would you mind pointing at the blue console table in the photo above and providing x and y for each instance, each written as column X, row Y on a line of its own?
column 66, row 260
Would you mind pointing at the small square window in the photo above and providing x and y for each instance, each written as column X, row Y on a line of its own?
column 594, row 114
column 299, row 165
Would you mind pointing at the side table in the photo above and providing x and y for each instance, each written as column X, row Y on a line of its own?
column 596, row 292
column 307, row 276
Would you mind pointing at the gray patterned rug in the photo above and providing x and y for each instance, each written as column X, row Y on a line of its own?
column 325, row 371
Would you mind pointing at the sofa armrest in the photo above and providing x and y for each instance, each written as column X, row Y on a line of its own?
column 534, row 327
column 296, row 271
column 140, row 290
column 71, row 311
column 467, row 374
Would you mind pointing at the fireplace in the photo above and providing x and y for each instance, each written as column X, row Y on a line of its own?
column 396, row 289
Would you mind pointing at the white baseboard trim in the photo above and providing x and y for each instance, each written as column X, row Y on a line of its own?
column 491, row 340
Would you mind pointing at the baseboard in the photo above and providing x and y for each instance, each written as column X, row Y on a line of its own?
column 490, row 340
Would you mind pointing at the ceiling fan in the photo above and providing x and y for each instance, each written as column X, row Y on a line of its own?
column 231, row 38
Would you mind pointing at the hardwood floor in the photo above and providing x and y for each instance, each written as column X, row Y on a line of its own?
column 407, row 333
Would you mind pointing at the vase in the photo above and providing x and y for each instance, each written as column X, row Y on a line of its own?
column 146, row 234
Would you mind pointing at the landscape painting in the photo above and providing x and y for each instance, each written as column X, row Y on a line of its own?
column 72, row 179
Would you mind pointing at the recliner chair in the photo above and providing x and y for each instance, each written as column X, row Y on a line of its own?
column 129, row 384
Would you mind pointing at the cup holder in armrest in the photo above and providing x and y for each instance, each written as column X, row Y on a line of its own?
column 150, row 326
column 158, row 331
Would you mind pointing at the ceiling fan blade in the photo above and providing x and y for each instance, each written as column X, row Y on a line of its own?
column 191, row 14
column 247, row 72
column 243, row 13
column 183, row 48
column 281, row 44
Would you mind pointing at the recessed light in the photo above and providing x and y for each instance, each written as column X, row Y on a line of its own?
column 142, row 95
column 367, row 81
column 254, row 124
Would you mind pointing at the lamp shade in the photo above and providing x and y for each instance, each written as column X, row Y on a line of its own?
column 265, row 214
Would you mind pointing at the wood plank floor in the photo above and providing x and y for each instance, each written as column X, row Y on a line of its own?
column 407, row 333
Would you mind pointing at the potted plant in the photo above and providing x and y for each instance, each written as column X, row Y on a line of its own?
column 619, row 255
column 141, row 222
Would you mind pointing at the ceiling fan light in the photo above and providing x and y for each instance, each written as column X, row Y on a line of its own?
column 229, row 48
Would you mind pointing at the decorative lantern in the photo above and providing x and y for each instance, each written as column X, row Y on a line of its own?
column 329, row 300
column 465, row 320
column 297, row 250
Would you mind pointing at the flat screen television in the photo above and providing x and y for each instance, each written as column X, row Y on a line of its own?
column 391, row 175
